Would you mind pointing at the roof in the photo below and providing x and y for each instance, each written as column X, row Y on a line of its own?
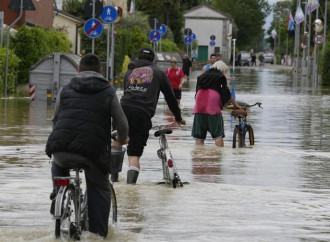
column 203, row 5
column 69, row 16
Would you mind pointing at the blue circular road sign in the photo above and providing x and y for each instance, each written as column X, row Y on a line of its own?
column 187, row 40
column 109, row 14
column 154, row 36
column 193, row 36
column 93, row 28
column 212, row 43
column 162, row 29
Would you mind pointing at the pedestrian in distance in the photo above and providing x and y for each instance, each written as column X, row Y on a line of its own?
column 82, row 53
column 253, row 59
column 219, row 57
column 186, row 64
column 213, row 58
column 212, row 93
column 142, row 84
column 81, row 137
column 261, row 59
column 176, row 77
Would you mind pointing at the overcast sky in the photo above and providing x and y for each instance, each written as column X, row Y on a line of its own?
column 270, row 17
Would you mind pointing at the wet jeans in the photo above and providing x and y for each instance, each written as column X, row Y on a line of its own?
column 98, row 189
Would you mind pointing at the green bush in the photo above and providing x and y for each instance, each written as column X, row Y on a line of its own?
column 13, row 63
column 169, row 46
column 325, row 70
column 31, row 44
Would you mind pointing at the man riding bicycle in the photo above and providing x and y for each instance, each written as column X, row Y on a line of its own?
column 81, row 136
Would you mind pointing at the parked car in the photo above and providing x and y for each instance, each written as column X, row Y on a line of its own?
column 269, row 58
column 243, row 58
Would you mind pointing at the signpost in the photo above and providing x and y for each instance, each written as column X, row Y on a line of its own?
column 109, row 15
column 187, row 31
column 2, row 17
column 318, row 39
column 162, row 30
column 93, row 28
column 98, row 8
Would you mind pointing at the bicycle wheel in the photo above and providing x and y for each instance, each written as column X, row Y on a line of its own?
column 113, row 207
column 251, row 134
column 237, row 137
column 66, row 223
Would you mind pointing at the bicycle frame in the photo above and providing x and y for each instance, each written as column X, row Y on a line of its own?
column 170, row 172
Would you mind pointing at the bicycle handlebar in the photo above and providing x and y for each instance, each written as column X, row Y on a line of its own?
column 161, row 126
column 251, row 105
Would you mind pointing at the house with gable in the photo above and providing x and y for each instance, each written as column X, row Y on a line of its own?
column 206, row 21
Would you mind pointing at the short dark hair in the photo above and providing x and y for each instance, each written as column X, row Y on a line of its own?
column 213, row 55
column 146, row 54
column 219, row 55
column 90, row 62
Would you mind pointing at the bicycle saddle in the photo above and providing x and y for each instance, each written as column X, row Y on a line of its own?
column 163, row 131
column 236, row 113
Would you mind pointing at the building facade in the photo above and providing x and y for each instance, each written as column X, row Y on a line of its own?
column 206, row 21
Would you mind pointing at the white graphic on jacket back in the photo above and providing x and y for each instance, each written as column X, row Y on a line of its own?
column 140, row 79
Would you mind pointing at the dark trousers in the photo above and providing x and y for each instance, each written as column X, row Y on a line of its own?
column 98, row 189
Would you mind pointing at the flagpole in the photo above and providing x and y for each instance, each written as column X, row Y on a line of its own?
column 233, row 76
column 303, row 61
column 325, row 27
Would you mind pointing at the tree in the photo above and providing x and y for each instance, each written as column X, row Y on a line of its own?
column 75, row 8
column 249, row 16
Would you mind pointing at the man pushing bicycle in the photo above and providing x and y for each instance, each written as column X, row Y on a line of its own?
column 81, row 135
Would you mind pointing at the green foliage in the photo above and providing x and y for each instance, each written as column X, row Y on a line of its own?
column 31, row 44
column 137, row 19
column 325, row 70
column 249, row 15
column 75, row 7
column 13, row 63
column 169, row 46
column 137, row 40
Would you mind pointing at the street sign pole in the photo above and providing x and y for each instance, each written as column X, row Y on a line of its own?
column 108, row 48
column 7, row 45
column 112, row 51
column 93, row 16
column 233, row 83
column 2, row 18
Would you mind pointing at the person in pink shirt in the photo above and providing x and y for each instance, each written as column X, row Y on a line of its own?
column 212, row 93
column 176, row 77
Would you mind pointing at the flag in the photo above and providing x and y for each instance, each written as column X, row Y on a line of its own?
column 312, row 5
column 132, row 7
column 274, row 33
column 299, row 16
column 290, row 23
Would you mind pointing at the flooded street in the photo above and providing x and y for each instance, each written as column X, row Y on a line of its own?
column 279, row 190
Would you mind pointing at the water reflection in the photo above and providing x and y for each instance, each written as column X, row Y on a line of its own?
column 206, row 163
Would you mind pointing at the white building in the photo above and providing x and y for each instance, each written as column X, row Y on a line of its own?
column 206, row 21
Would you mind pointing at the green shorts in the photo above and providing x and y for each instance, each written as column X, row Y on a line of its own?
column 208, row 122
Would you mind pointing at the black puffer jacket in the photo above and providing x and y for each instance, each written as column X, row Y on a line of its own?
column 84, row 121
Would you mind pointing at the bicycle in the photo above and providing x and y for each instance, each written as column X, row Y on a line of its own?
column 170, row 172
column 243, row 127
column 71, row 210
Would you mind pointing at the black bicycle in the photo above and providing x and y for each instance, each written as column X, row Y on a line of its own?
column 243, row 127
column 71, row 210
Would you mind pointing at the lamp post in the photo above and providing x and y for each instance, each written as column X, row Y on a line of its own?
column 229, row 38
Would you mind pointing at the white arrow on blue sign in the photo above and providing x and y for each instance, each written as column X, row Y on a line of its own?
column 187, row 40
column 212, row 43
column 162, row 29
column 109, row 14
column 193, row 36
column 93, row 28
column 154, row 36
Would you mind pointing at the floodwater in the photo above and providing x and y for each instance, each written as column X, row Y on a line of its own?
column 276, row 191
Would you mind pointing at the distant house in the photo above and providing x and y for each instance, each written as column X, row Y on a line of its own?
column 205, row 21
column 41, row 16
column 70, row 25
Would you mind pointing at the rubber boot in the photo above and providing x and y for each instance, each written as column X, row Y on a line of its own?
column 114, row 177
column 132, row 176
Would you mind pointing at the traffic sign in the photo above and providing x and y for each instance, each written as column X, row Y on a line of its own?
column 187, row 31
column 212, row 37
column 109, row 14
column 155, row 23
column 212, row 43
column 318, row 39
column 187, row 40
column 89, row 8
column 93, row 28
column 154, row 36
column 193, row 36
column 162, row 29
